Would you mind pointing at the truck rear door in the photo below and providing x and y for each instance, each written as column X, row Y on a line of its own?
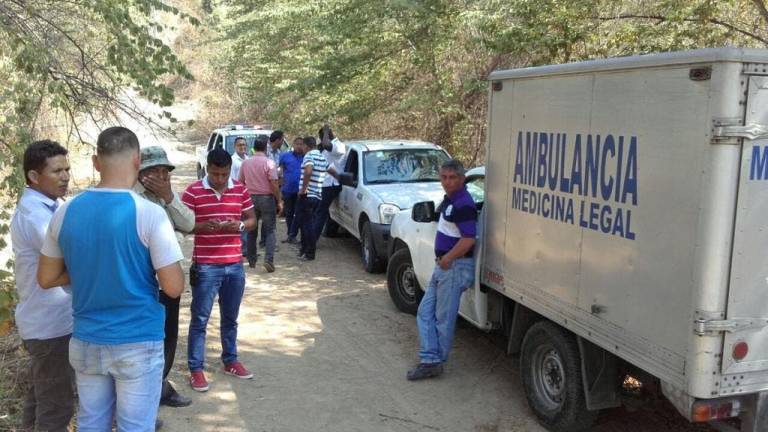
column 745, row 347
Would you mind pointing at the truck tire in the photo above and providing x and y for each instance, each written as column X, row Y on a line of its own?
column 371, row 261
column 402, row 284
column 550, row 368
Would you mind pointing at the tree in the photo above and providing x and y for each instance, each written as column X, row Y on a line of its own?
column 418, row 68
column 75, row 58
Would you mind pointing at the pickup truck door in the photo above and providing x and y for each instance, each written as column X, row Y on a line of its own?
column 346, row 202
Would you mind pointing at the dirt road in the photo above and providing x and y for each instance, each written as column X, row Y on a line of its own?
column 329, row 352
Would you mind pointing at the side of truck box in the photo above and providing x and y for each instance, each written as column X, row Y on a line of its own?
column 624, row 223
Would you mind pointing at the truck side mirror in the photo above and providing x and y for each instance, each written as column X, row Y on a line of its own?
column 348, row 179
column 424, row 212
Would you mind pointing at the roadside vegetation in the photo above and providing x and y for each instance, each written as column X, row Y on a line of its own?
column 391, row 69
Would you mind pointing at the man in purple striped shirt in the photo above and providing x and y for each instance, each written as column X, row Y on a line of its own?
column 454, row 272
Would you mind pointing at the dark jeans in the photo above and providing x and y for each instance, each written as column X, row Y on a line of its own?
column 329, row 194
column 171, row 331
column 228, row 281
column 49, row 404
column 289, row 210
column 306, row 210
column 266, row 210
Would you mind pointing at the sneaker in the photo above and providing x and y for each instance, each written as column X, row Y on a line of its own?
column 290, row 240
column 238, row 370
column 198, row 381
column 425, row 370
column 269, row 267
column 305, row 257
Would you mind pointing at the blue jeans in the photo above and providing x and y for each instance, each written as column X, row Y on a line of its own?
column 117, row 381
column 322, row 213
column 289, row 210
column 228, row 281
column 439, row 308
column 305, row 213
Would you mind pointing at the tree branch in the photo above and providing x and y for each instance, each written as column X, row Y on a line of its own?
column 715, row 21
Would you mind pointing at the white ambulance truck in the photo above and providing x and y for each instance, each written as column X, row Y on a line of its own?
column 625, row 230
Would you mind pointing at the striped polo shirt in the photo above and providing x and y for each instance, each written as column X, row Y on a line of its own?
column 208, row 204
column 458, row 218
column 319, row 170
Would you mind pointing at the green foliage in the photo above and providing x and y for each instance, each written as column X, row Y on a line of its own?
column 417, row 68
column 76, row 59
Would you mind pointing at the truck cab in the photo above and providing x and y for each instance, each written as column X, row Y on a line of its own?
column 381, row 178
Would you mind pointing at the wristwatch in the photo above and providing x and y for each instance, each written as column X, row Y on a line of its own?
column 241, row 228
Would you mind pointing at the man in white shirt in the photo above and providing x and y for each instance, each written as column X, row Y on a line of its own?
column 43, row 317
column 335, row 152
column 238, row 158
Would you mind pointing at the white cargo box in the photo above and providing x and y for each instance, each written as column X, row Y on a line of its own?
column 627, row 200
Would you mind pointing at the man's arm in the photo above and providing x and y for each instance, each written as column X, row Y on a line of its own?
column 307, row 175
column 182, row 217
column 51, row 272
column 171, row 279
column 459, row 250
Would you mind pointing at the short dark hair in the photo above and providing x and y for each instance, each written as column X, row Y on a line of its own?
column 453, row 165
column 116, row 139
column 37, row 154
column 260, row 145
column 310, row 142
column 276, row 135
column 219, row 157
column 330, row 134
column 240, row 139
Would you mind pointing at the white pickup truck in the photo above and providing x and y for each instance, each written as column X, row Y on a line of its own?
column 381, row 178
column 622, row 234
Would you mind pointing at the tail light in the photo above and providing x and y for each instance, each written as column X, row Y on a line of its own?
column 740, row 350
column 715, row 409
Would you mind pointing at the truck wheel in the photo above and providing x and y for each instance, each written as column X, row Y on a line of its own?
column 200, row 172
column 550, row 367
column 402, row 283
column 371, row 261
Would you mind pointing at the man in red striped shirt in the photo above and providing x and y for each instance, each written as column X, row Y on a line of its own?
column 223, row 209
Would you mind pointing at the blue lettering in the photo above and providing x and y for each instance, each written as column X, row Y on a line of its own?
column 605, row 219
column 606, row 187
column 516, row 197
column 518, row 177
column 630, row 174
column 553, row 156
column 594, row 216
column 618, row 223
column 628, row 230
column 582, row 214
column 560, row 209
column 530, row 157
column 576, row 166
column 619, row 161
column 545, row 209
column 541, row 169
column 524, row 205
column 569, row 212
column 758, row 169
column 565, row 184
column 590, row 174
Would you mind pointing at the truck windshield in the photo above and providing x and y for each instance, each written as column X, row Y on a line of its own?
column 402, row 165
column 229, row 142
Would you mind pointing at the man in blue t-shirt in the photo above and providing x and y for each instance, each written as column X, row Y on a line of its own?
column 290, row 165
column 114, row 248
column 454, row 272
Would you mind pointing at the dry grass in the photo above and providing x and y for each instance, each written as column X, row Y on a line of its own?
column 14, row 380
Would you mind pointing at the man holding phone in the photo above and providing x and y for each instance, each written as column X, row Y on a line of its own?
column 223, row 209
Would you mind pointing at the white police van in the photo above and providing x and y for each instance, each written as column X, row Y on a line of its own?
column 624, row 233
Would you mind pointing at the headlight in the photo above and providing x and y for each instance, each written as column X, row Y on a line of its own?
column 387, row 212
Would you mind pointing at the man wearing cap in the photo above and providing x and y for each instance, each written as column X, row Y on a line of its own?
column 155, row 185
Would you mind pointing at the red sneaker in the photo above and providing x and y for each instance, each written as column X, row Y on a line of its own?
column 238, row 370
column 198, row 381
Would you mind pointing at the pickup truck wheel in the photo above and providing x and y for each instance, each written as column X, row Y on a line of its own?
column 402, row 283
column 550, row 366
column 371, row 261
